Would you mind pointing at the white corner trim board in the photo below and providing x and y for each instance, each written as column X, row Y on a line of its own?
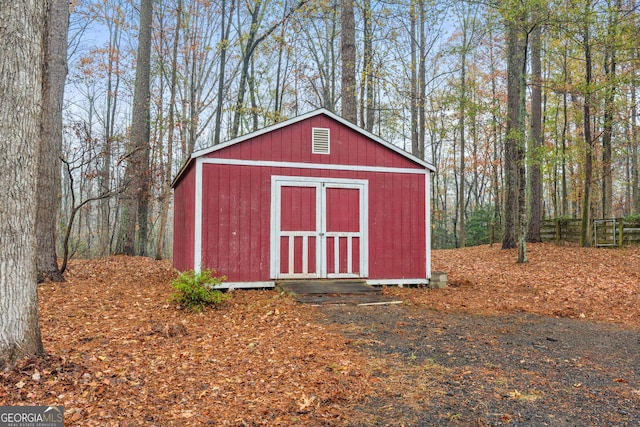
column 427, row 225
column 197, row 232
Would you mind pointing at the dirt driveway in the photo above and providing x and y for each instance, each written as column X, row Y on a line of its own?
column 433, row 368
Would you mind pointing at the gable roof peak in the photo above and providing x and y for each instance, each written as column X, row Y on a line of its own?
column 297, row 119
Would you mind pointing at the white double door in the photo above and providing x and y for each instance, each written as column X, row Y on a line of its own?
column 318, row 227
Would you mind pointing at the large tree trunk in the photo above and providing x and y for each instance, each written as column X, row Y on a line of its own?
column 495, row 177
column 514, row 133
column 585, row 240
column 535, row 200
column 635, row 181
column 348, row 50
column 366, row 83
column 166, row 191
column 21, row 38
column 521, row 158
column 53, row 79
column 563, row 138
column 136, row 200
column 609, row 109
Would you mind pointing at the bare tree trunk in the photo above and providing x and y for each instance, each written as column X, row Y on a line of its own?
column 166, row 192
column 635, row 176
column 495, row 179
column 21, row 44
column 609, row 108
column 348, row 49
column 366, row 84
column 224, row 41
column 193, row 102
column 49, row 187
column 280, row 79
column 461, row 125
column 585, row 240
column 514, row 134
column 141, row 121
column 522, row 156
column 136, row 200
column 535, row 196
column 565, row 123
column 113, row 84
column 415, row 143
column 252, row 96
column 422, row 76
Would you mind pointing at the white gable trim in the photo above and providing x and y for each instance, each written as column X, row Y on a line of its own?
column 306, row 116
column 286, row 123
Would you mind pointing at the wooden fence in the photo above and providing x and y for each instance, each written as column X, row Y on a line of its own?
column 614, row 232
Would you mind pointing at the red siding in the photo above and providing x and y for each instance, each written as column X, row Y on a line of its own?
column 183, row 221
column 236, row 221
column 293, row 144
column 397, row 233
column 236, row 205
column 235, row 227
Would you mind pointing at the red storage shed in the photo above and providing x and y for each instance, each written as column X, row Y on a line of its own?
column 314, row 197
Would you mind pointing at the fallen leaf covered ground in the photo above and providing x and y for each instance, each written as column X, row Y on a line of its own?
column 119, row 354
column 589, row 283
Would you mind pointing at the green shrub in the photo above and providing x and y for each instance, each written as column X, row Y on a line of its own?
column 634, row 218
column 563, row 219
column 194, row 290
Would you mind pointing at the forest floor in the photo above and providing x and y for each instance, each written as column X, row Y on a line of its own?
column 553, row 342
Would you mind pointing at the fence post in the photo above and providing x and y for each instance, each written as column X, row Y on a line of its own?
column 491, row 233
column 620, row 232
column 558, row 233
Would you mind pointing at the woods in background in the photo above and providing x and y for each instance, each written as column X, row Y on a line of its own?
column 527, row 109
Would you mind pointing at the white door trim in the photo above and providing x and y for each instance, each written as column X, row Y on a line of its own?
column 321, row 184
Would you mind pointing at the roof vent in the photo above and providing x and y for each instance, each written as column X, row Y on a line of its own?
column 320, row 137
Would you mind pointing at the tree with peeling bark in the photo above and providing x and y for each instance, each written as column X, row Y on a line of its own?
column 21, row 43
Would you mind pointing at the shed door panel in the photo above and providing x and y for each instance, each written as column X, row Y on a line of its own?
column 298, row 231
column 318, row 228
column 342, row 212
